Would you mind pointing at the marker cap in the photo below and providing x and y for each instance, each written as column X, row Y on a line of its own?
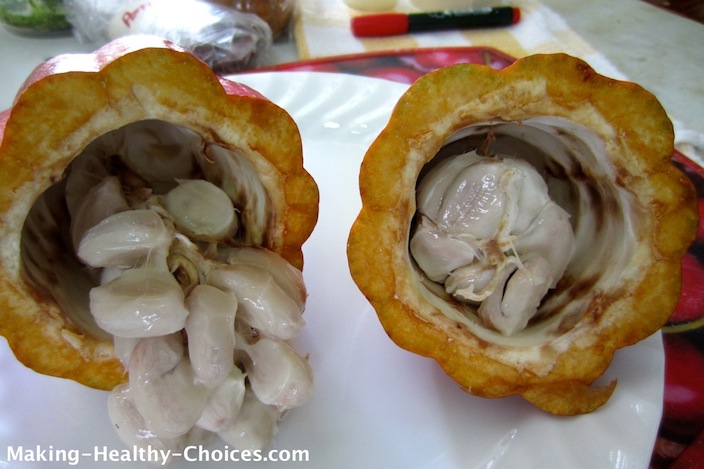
column 386, row 24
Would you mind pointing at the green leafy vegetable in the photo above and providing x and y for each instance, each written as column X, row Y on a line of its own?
column 34, row 14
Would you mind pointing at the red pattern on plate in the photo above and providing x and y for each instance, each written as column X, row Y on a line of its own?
column 680, row 441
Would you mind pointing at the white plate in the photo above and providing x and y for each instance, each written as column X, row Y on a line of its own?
column 375, row 406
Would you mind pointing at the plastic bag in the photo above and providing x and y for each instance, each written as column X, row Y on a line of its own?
column 226, row 39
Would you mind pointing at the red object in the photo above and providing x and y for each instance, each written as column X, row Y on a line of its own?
column 683, row 412
column 691, row 305
column 397, row 74
column 386, row 24
column 692, row 457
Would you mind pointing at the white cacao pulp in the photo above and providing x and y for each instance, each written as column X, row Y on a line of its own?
column 164, row 227
column 504, row 212
column 490, row 233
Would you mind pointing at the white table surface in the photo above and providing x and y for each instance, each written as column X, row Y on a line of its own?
column 661, row 51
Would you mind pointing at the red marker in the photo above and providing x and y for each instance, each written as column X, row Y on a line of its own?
column 393, row 24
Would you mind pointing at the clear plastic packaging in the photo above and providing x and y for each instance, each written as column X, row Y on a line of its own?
column 226, row 39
